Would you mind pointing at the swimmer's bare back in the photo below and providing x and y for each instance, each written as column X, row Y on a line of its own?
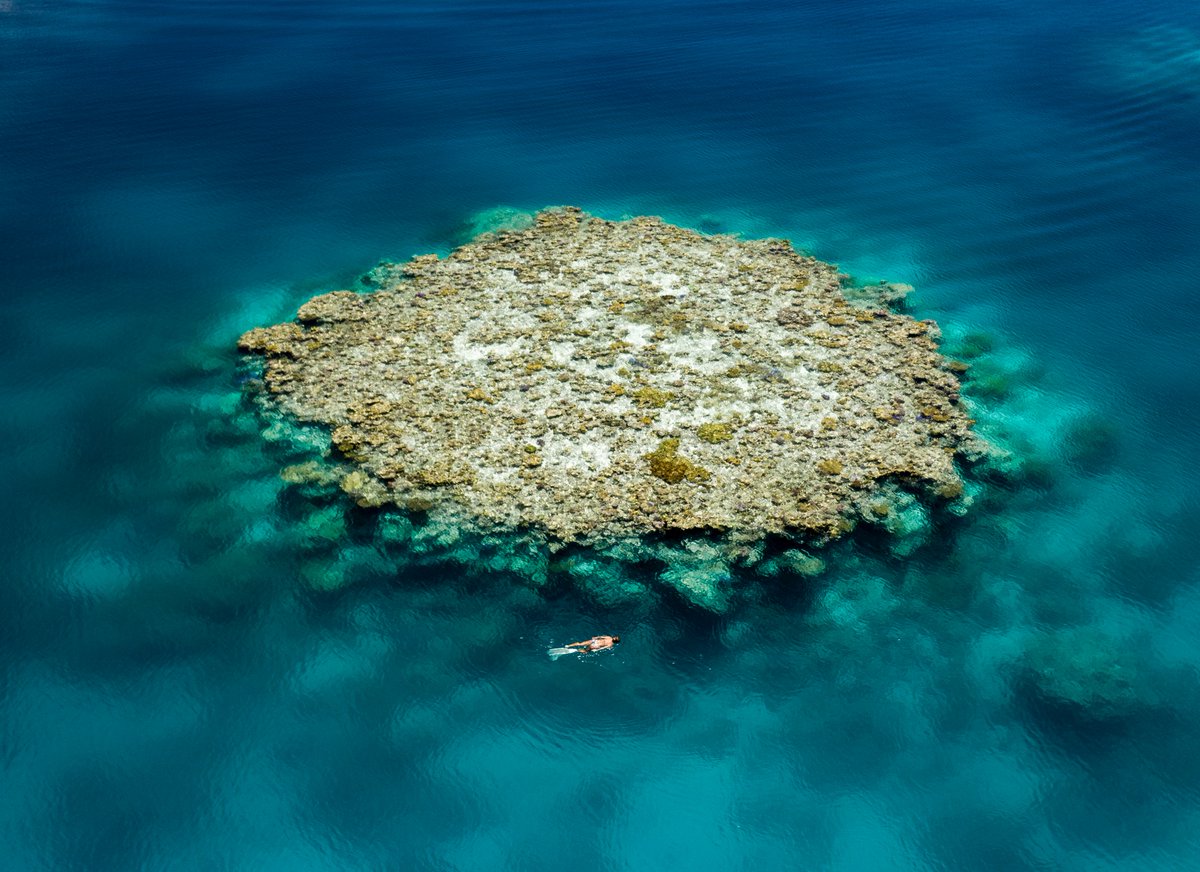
column 596, row 643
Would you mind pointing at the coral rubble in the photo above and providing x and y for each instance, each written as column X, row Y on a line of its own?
column 598, row 380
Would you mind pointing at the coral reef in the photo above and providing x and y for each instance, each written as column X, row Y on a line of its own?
column 1088, row 672
column 597, row 380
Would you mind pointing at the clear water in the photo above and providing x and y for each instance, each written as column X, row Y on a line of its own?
column 202, row 670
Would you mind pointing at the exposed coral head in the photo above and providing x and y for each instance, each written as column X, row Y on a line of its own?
column 596, row 379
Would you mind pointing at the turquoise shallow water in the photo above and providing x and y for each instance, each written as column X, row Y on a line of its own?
column 200, row 668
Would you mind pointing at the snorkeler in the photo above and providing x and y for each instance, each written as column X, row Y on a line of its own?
column 596, row 643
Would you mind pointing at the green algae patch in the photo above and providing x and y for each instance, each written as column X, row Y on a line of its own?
column 652, row 398
column 715, row 433
column 666, row 463
column 539, row 379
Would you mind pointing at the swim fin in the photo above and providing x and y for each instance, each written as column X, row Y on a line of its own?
column 555, row 653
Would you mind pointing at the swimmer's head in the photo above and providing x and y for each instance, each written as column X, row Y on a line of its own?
column 616, row 639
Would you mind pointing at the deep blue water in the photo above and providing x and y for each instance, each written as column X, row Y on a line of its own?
column 201, row 670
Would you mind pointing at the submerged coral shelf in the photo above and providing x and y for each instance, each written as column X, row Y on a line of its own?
column 594, row 381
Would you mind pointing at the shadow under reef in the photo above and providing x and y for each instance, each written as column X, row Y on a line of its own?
column 1129, row 745
column 700, row 576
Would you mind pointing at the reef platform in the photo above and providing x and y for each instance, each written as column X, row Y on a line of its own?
column 598, row 380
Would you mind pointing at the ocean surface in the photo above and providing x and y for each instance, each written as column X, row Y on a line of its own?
column 203, row 668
